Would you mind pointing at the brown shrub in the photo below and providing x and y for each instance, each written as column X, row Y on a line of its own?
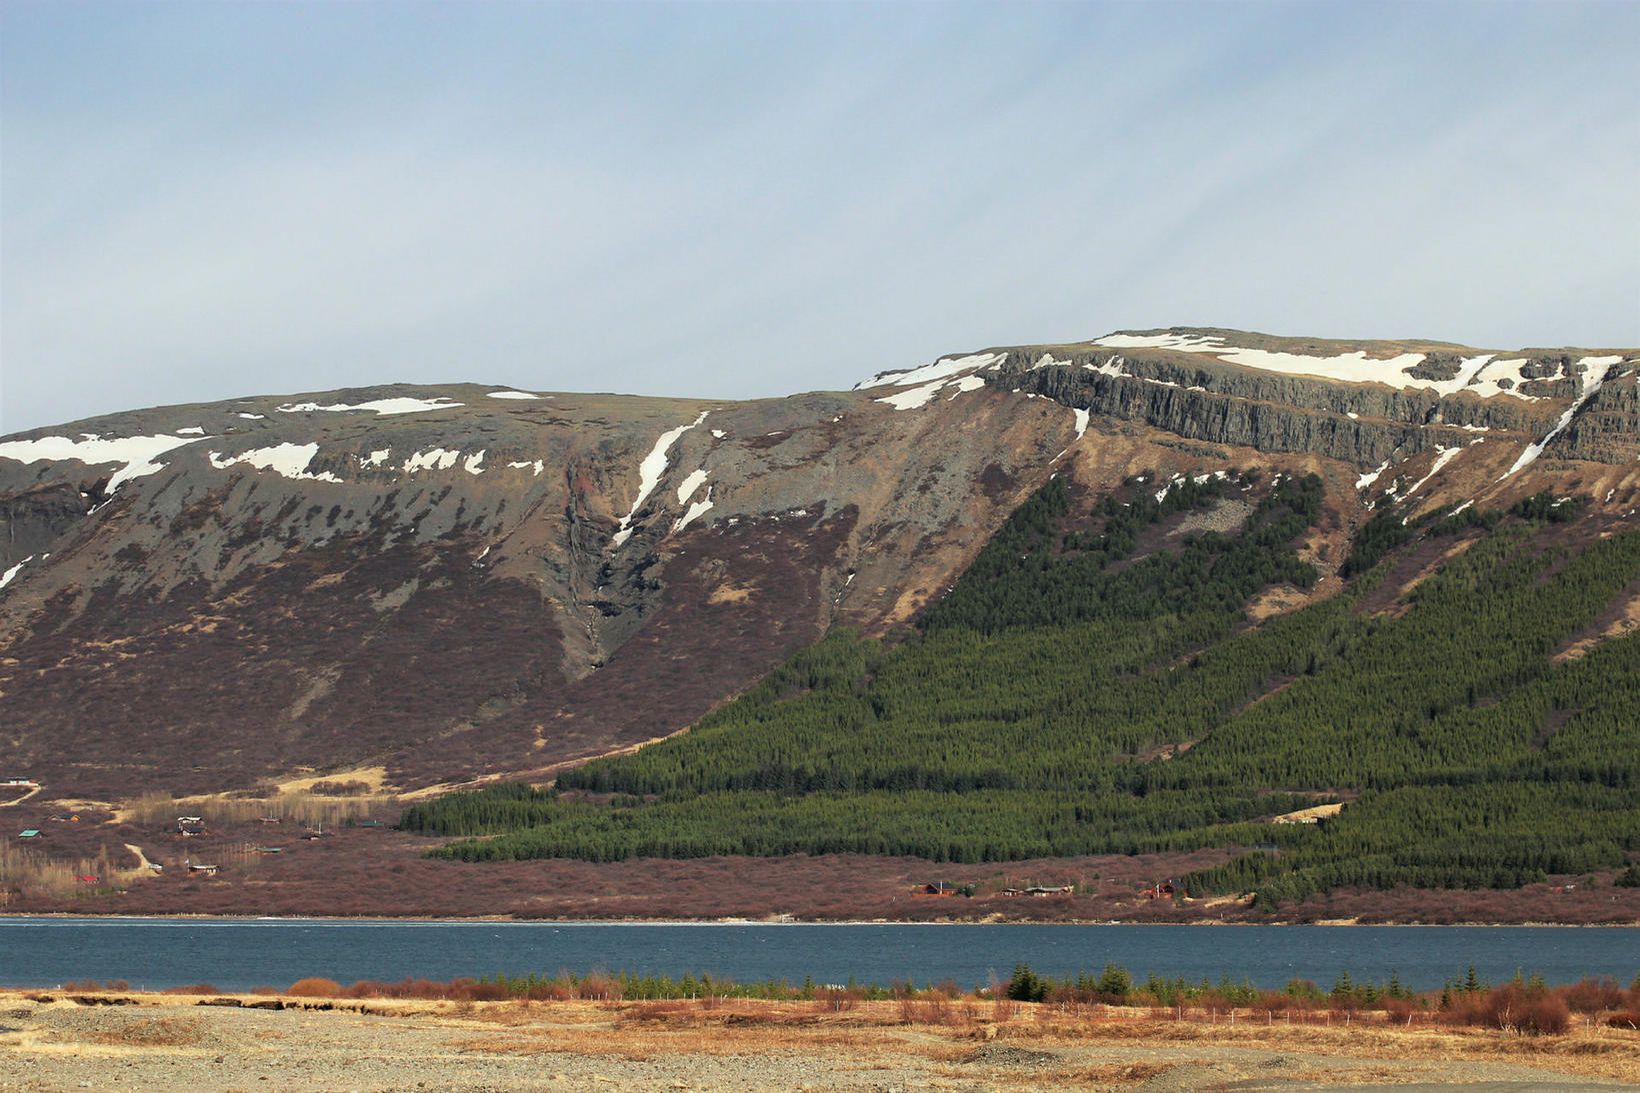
column 1513, row 1008
column 1625, row 1020
column 836, row 999
column 192, row 988
column 599, row 987
column 314, row 987
column 351, row 788
column 1594, row 995
column 1402, row 1011
column 93, row 985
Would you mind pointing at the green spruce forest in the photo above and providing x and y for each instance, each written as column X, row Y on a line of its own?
column 1092, row 685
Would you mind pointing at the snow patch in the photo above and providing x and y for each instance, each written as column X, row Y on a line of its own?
column 520, row 464
column 1371, row 476
column 287, row 460
column 719, row 434
column 474, row 464
column 192, row 430
column 699, row 508
column 512, row 395
column 384, row 406
column 1445, row 456
column 689, row 485
column 5, row 578
column 1487, row 381
column 1183, row 342
column 375, row 458
column 915, row 398
column 649, row 473
column 253, row 417
column 137, row 453
column 1081, row 422
column 433, row 459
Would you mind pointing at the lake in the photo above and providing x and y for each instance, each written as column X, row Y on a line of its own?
column 237, row 954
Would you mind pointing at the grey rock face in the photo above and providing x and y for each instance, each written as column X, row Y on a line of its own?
column 1214, row 402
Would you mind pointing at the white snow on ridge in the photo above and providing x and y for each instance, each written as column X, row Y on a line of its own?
column 520, row 464
column 433, row 459
column 137, row 453
column 649, row 473
column 915, row 398
column 689, row 485
column 5, row 578
column 474, row 464
column 1467, row 371
column 1353, row 367
column 1486, row 381
column 944, row 368
column 918, row 397
column 192, row 430
column 375, row 458
column 383, row 406
column 512, row 395
column 1211, row 343
column 1349, row 367
column 288, row 460
column 1595, row 370
column 253, row 417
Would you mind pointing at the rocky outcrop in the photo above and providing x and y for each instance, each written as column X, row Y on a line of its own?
column 1607, row 428
column 35, row 519
column 1363, row 425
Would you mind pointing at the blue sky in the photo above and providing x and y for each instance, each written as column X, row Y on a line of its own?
column 202, row 201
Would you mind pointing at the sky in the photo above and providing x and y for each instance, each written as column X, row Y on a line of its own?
column 203, row 201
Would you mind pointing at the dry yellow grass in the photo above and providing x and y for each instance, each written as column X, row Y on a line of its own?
column 1074, row 1047
column 1309, row 815
column 170, row 1031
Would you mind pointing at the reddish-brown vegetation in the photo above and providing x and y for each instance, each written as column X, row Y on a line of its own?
column 374, row 872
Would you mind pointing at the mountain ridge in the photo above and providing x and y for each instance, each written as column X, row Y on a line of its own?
column 371, row 519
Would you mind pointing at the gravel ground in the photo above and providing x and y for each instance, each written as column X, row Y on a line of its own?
column 176, row 1044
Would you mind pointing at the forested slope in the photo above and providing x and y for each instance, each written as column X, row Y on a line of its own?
column 1092, row 684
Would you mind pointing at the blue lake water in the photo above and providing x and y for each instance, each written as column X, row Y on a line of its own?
column 237, row 954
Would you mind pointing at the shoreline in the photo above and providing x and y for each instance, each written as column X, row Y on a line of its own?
column 512, row 920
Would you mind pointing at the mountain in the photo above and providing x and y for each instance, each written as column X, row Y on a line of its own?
column 420, row 588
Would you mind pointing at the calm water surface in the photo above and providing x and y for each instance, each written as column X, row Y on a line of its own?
column 237, row 954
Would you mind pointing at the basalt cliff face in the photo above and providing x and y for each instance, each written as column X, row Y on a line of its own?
column 440, row 584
